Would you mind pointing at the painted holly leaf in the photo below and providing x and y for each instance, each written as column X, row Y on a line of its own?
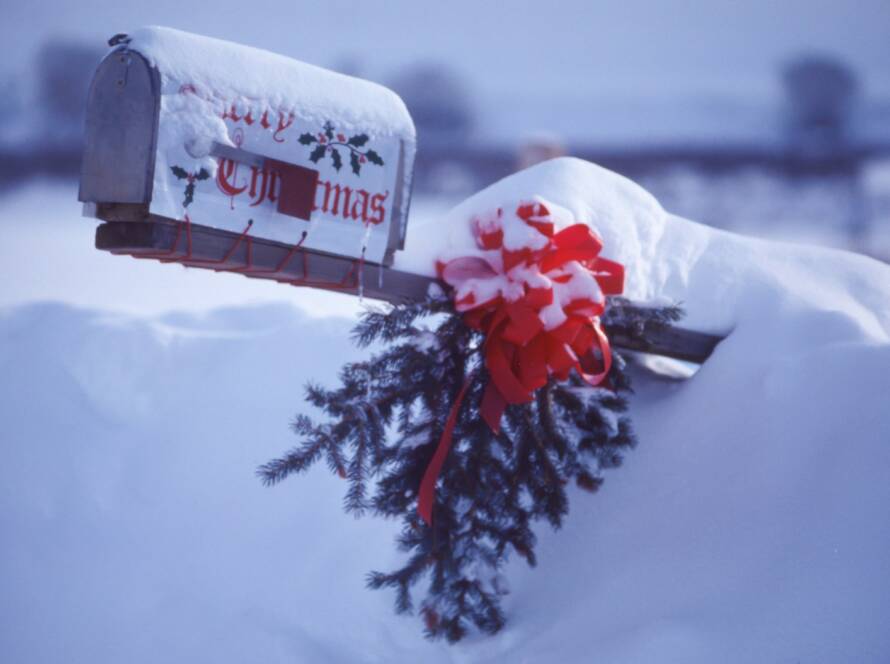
column 329, row 130
column 317, row 153
column 335, row 159
column 358, row 140
column 374, row 158
column 179, row 172
column 189, row 194
column 307, row 139
column 202, row 174
column 355, row 163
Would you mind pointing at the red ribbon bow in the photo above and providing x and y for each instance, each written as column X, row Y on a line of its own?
column 520, row 351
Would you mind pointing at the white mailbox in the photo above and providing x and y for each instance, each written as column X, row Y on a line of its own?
column 190, row 129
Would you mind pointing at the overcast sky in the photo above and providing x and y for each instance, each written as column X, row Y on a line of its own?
column 626, row 49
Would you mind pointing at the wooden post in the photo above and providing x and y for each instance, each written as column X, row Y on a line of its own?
column 209, row 248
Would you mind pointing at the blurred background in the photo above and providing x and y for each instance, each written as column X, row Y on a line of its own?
column 766, row 118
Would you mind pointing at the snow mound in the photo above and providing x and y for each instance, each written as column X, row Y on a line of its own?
column 722, row 279
column 752, row 523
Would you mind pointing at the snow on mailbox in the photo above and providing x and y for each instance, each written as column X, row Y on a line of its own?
column 254, row 153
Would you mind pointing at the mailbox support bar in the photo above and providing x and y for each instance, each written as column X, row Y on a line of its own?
column 201, row 246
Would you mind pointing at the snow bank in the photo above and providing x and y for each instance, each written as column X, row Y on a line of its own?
column 721, row 278
column 752, row 523
column 135, row 528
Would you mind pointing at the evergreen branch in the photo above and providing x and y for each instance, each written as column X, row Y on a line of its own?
column 384, row 420
column 378, row 324
column 296, row 460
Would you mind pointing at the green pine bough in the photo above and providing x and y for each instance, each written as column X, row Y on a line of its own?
column 383, row 424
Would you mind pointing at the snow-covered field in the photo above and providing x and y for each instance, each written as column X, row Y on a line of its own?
column 752, row 524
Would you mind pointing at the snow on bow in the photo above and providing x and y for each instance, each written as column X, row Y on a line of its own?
column 537, row 294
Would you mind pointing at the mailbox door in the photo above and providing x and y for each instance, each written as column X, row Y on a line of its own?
column 121, row 131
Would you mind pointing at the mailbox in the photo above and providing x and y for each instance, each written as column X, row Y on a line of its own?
column 239, row 143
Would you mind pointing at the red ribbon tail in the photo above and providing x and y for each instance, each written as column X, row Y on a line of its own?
column 427, row 491
column 596, row 379
column 492, row 407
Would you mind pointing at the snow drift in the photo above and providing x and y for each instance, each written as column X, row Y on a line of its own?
column 751, row 523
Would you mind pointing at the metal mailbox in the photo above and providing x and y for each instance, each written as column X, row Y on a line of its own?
column 185, row 129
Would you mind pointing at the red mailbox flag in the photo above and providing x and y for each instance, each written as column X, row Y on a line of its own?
column 298, row 185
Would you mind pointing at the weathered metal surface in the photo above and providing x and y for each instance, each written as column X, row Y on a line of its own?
column 237, row 154
column 401, row 204
column 121, row 131
column 209, row 248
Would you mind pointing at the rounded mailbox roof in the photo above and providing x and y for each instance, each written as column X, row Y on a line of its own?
column 231, row 72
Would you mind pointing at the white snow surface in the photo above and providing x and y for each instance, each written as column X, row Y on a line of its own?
column 751, row 524
column 235, row 73
column 722, row 279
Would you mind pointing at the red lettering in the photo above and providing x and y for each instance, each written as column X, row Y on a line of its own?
column 226, row 173
column 232, row 113
column 285, row 120
column 347, row 194
column 254, row 172
column 377, row 207
column 329, row 206
column 360, row 206
column 268, row 181
column 282, row 125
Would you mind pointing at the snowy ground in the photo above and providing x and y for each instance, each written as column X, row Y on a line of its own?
column 751, row 524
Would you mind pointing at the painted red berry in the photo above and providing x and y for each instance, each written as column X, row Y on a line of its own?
column 362, row 159
column 341, row 138
column 322, row 138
